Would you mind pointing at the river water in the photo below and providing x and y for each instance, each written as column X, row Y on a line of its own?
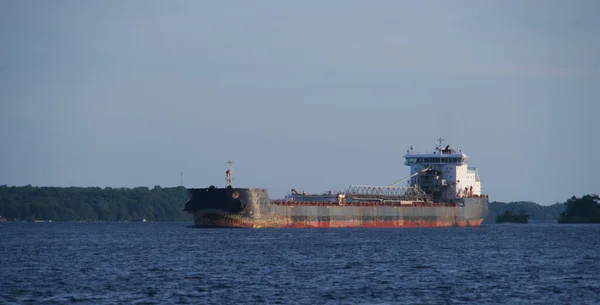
column 172, row 263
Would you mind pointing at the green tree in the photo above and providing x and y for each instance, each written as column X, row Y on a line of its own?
column 581, row 210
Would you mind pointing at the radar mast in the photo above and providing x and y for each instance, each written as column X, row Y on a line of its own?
column 228, row 176
column 439, row 146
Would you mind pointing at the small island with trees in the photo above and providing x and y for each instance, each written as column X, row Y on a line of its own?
column 581, row 210
column 514, row 217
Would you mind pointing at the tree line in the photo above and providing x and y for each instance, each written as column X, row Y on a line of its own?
column 585, row 209
column 534, row 211
column 28, row 203
column 514, row 217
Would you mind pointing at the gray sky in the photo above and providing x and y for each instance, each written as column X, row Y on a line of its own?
column 312, row 95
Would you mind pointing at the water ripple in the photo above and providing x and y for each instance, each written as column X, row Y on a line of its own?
column 170, row 263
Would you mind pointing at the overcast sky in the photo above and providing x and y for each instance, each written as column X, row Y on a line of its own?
column 312, row 95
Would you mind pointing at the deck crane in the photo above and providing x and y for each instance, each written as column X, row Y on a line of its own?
column 413, row 175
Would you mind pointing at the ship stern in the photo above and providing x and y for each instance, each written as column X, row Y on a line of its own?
column 475, row 210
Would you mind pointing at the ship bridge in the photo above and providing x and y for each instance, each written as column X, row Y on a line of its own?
column 435, row 159
column 439, row 156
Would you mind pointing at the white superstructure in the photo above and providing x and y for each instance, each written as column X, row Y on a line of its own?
column 443, row 172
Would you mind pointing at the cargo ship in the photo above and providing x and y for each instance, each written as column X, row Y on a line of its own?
column 440, row 191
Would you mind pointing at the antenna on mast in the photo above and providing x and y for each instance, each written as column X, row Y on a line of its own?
column 228, row 177
column 439, row 147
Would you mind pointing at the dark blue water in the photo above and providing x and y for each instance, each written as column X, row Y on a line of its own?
column 170, row 263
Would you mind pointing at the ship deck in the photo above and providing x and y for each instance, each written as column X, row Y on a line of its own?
column 364, row 203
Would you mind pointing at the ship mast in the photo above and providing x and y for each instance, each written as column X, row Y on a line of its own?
column 228, row 177
column 439, row 147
